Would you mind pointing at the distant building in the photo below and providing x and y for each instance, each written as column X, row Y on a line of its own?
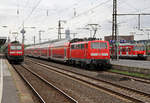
column 122, row 39
column 142, row 42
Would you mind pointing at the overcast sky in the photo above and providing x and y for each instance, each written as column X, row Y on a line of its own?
column 44, row 15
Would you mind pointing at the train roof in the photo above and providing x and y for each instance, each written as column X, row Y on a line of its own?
column 83, row 39
column 56, row 42
column 83, row 42
column 15, row 42
column 63, row 42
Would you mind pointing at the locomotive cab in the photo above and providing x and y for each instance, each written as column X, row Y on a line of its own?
column 140, row 51
column 15, row 52
column 99, row 52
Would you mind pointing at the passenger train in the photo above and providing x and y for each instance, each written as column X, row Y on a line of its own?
column 14, row 51
column 83, row 52
column 133, row 51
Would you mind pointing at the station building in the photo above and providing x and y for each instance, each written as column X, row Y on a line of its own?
column 121, row 38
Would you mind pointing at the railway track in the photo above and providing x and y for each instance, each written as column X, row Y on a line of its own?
column 115, row 89
column 143, row 80
column 139, row 79
column 45, row 91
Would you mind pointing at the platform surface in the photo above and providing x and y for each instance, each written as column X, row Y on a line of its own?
column 8, row 91
column 132, row 63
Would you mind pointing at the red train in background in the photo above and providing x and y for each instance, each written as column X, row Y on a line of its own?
column 14, row 52
column 131, row 51
column 83, row 52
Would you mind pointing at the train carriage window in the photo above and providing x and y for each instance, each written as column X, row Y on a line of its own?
column 18, row 47
column 129, row 49
column 15, row 47
column 86, row 45
column 82, row 46
column 98, row 45
column 123, row 49
column 12, row 47
column 75, row 46
column 78, row 46
column 72, row 47
column 137, row 48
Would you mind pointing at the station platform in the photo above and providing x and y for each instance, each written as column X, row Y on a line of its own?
column 12, row 88
column 139, row 66
column 132, row 63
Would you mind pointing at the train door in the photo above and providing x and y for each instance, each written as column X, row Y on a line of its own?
column 123, row 51
column 129, row 51
column 47, row 51
column 120, row 51
column 65, row 53
column 51, row 52
column 85, row 51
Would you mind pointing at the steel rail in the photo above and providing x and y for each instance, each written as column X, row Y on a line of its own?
column 119, row 86
column 56, row 88
column 34, row 90
column 140, row 79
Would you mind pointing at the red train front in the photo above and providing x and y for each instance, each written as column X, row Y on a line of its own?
column 95, row 53
column 127, row 50
column 14, row 52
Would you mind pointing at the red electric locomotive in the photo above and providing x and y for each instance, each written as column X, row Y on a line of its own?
column 14, row 51
column 77, row 51
column 90, row 53
column 133, row 51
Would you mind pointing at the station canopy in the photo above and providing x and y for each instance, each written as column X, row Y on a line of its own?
column 2, row 40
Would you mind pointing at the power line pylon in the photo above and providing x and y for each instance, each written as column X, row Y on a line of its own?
column 114, row 30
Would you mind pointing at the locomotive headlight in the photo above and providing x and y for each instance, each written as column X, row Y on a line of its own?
column 94, row 54
column 104, row 54
column 19, row 52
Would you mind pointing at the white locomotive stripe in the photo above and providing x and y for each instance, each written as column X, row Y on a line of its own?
column 1, row 82
column 15, row 52
column 19, row 52
column 12, row 52
column 94, row 54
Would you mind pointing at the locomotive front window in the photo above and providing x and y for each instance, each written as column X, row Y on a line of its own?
column 137, row 48
column 99, row 45
column 15, row 47
column 18, row 47
column 12, row 47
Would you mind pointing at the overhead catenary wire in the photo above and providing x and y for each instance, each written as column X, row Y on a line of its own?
column 87, row 11
column 33, row 9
